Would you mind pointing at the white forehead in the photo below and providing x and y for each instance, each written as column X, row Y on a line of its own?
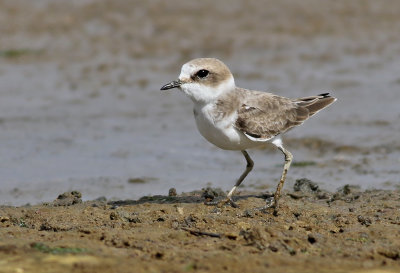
column 188, row 70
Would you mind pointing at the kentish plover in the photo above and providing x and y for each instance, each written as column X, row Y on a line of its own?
column 234, row 118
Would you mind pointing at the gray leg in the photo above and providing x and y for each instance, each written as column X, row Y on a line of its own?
column 288, row 161
column 249, row 167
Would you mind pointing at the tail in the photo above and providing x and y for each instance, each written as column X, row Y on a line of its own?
column 314, row 104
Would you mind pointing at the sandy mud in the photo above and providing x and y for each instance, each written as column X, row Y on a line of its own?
column 315, row 231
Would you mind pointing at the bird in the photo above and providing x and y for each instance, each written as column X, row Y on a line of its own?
column 235, row 118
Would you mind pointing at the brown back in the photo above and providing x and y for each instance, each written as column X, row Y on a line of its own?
column 265, row 116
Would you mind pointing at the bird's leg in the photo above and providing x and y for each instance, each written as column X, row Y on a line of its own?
column 249, row 167
column 288, row 161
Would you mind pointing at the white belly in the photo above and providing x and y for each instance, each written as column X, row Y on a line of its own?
column 222, row 133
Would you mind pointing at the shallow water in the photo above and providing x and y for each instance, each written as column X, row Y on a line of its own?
column 81, row 108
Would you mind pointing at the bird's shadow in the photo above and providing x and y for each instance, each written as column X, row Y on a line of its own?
column 164, row 199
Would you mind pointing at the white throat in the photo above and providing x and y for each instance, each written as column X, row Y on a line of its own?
column 204, row 94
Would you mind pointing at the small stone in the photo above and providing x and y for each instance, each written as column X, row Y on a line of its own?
column 248, row 213
column 211, row 193
column 305, row 185
column 4, row 219
column 347, row 189
column 179, row 210
column 114, row 216
column 191, row 220
column 68, row 199
column 172, row 192
column 364, row 221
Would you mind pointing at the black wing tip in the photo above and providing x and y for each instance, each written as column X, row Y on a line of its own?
column 325, row 95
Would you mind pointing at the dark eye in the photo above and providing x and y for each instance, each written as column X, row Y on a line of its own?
column 202, row 73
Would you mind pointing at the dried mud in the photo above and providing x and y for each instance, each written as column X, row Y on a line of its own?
column 315, row 231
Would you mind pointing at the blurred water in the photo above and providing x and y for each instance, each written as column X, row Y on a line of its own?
column 92, row 123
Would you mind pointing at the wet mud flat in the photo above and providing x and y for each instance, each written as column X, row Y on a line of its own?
column 316, row 231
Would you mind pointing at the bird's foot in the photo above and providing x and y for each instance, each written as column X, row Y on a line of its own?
column 270, row 203
column 230, row 202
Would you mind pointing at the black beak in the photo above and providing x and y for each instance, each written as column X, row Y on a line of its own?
column 171, row 85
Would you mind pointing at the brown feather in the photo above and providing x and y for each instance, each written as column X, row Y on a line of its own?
column 263, row 115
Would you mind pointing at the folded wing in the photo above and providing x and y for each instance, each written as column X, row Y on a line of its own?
column 263, row 116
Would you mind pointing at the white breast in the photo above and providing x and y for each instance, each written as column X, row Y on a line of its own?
column 221, row 132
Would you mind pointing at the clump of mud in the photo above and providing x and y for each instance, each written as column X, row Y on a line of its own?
column 67, row 199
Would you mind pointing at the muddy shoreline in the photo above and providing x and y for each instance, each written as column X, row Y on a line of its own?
column 80, row 109
column 316, row 231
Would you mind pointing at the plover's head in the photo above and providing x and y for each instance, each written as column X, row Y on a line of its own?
column 203, row 80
